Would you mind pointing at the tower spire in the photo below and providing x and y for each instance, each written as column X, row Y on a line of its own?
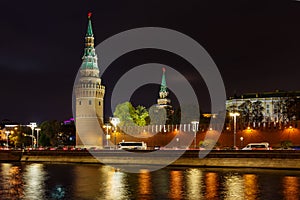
column 89, row 57
column 89, row 32
column 163, row 93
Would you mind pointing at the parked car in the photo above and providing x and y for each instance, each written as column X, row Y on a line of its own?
column 257, row 146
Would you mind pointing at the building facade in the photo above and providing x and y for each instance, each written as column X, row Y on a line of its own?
column 89, row 94
column 274, row 104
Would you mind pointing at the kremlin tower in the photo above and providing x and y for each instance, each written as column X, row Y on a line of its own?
column 163, row 103
column 89, row 96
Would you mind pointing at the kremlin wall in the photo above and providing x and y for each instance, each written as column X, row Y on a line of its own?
column 274, row 135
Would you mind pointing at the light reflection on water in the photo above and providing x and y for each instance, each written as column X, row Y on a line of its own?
column 86, row 181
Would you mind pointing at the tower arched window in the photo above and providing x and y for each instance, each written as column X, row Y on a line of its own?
column 90, row 102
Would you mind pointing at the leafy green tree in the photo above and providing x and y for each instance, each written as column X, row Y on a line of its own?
column 140, row 116
column 125, row 112
column 130, row 116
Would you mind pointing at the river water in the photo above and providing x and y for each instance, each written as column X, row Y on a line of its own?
column 90, row 181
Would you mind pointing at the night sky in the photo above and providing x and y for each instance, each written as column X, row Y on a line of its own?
column 255, row 44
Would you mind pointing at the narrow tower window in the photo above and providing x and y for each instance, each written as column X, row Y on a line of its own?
column 90, row 102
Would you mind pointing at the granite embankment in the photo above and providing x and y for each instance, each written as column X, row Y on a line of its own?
column 252, row 159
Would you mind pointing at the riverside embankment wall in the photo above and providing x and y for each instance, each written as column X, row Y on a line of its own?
column 251, row 159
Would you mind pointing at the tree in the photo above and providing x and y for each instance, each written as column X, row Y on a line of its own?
column 124, row 112
column 140, row 116
column 158, row 115
column 50, row 132
column 257, row 115
column 286, row 109
column 245, row 110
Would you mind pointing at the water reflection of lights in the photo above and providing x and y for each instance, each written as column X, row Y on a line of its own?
column 34, row 178
column 11, row 179
column 176, row 180
column 211, row 182
column 58, row 192
column 291, row 187
column 116, row 186
column 145, row 184
column 251, row 186
column 194, row 184
column 234, row 187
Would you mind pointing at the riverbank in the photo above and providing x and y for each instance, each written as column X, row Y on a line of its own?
column 240, row 159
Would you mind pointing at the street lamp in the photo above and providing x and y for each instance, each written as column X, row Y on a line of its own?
column 234, row 115
column 32, row 125
column 195, row 129
column 32, row 136
column 7, row 133
column 107, row 126
column 242, row 139
column 37, row 136
column 177, row 139
column 115, row 121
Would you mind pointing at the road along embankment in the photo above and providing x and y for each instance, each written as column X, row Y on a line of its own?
column 240, row 159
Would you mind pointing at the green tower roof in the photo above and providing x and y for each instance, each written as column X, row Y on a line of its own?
column 89, row 59
column 89, row 32
column 163, row 86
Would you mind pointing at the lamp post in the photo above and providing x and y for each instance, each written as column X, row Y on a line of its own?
column 195, row 129
column 177, row 139
column 115, row 121
column 37, row 136
column 107, row 126
column 242, row 139
column 7, row 133
column 32, row 125
column 32, row 136
column 234, row 115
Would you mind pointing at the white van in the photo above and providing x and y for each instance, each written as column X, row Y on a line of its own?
column 257, row 146
column 133, row 145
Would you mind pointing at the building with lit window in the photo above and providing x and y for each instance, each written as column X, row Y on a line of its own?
column 275, row 104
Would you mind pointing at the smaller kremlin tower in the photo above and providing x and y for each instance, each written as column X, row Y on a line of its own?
column 163, row 102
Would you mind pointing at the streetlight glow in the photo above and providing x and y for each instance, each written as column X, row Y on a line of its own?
column 7, row 133
column 32, row 125
column 115, row 121
column 37, row 137
column 107, row 126
column 195, row 129
column 234, row 115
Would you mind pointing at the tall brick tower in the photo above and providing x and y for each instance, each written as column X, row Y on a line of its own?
column 89, row 96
